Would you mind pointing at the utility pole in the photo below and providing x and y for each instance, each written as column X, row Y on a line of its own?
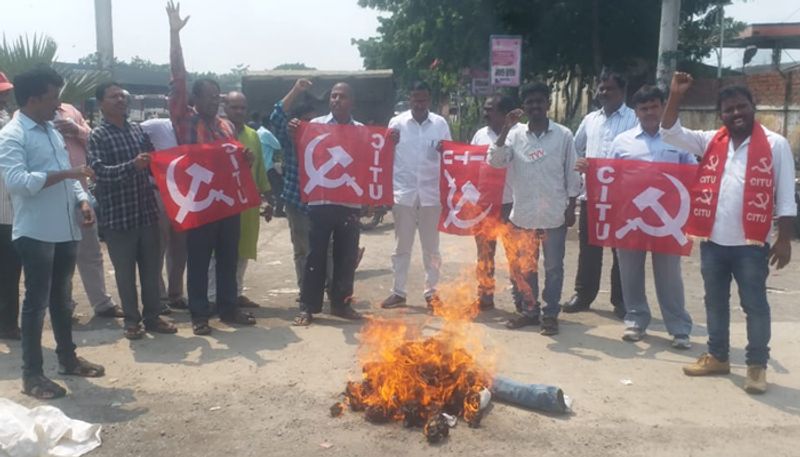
column 105, row 36
column 668, row 41
column 721, row 14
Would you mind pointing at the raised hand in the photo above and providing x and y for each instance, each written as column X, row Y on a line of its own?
column 681, row 82
column 174, row 14
column 513, row 117
column 302, row 85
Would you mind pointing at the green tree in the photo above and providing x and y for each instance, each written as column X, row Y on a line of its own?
column 24, row 53
column 293, row 66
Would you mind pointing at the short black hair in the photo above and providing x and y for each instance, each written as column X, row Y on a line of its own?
column 536, row 87
column 419, row 86
column 197, row 86
column 100, row 90
column 608, row 75
column 725, row 94
column 35, row 83
column 504, row 103
column 266, row 121
column 647, row 93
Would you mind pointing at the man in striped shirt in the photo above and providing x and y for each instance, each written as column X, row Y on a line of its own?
column 593, row 139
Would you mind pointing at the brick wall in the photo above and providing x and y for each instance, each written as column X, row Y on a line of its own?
column 768, row 89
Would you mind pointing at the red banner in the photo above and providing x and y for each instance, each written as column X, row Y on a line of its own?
column 639, row 205
column 345, row 164
column 202, row 183
column 470, row 189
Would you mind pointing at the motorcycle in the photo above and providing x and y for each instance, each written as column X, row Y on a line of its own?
column 371, row 216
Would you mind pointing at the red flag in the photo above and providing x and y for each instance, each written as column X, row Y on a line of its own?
column 202, row 183
column 345, row 164
column 470, row 189
column 639, row 205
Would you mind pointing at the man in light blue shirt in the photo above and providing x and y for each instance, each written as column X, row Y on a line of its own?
column 644, row 142
column 271, row 147
column 49, row 203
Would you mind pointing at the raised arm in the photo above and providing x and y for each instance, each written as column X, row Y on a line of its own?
column 692, row 141
column 500, row 153
column 178, row 95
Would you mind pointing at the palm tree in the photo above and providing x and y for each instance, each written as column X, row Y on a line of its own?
column 23, row 53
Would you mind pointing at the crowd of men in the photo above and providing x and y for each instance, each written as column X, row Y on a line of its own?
column 50, row 159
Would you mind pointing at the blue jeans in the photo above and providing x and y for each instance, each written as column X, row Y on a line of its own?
column 524, row 270
column 48, row 271
column 748, row 265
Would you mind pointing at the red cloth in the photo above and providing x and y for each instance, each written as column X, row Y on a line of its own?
column 223, row 184
column 639, row 205
column 345, row 164
column 470, row 190
column 758, row 187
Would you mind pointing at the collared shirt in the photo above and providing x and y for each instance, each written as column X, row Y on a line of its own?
column 598, row 130
column 189, row 127
column 488, row 136
column 6, row 211
column 416, row 160
column 291, row 181
column 161, row 133
column 543, row 174
column 28, row 151
column 728, row 228
column 124, row 194
column 269, row 146
column 636, row 144
column 329, row 119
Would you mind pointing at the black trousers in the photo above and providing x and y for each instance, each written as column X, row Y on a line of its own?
column 10, row 272
column 590, row 267
column 220, row 239
column 276, row 183
column 340, row 224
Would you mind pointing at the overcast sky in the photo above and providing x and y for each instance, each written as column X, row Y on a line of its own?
column 258, row 33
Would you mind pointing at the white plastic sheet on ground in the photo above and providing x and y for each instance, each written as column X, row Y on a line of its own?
column 43, row 431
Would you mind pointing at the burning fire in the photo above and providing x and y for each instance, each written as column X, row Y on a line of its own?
column 414, row 379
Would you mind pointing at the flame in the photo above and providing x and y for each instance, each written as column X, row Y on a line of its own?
column 412, row 377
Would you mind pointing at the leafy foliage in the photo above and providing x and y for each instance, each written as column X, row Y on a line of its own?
column 24, row 53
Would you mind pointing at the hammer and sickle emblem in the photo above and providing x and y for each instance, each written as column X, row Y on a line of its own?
column 672, row 226
column 707, row 197
column 187, row 203
column 761, row 202
column 469, row 194
column 317, row 177
column 765, row 165
column 712, row 164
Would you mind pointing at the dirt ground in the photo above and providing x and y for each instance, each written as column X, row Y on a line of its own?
column 265, row 391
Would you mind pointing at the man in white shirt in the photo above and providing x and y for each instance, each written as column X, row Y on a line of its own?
column 730, row 250
column 593, row 139
column 416, row 193
column 644, row 143
column 173, row 242
column 544, row 186
column 495, row 109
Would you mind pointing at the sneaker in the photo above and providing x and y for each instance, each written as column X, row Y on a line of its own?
column 756, row 380
column 633, row 334
column 393, row 301
column 707, row 365
column 549, row 326
column 681, row 342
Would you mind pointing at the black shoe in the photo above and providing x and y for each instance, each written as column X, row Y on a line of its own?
column 521, row 321
column 346, row 312
column 113, row 312
column 620, row 312
column 549, row 326
column 393, row 301
column 575, row 305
